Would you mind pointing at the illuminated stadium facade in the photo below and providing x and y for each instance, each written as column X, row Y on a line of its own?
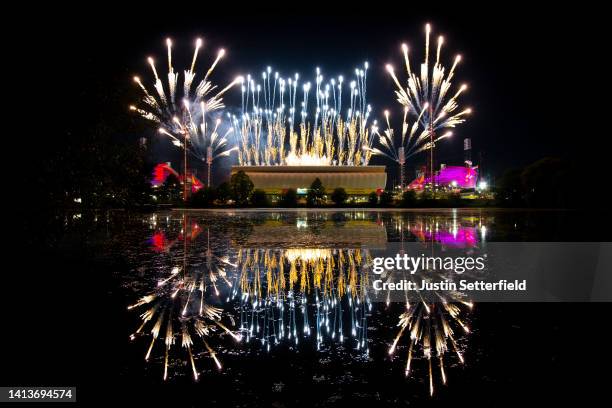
column 356, row 180
column 463, row 177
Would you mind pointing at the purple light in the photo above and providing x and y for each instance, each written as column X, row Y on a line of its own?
column 462, row 237
column 464, row 177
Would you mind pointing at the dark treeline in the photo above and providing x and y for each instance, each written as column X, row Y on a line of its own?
column 550, row 182
column 240, row 192
column 95, row 160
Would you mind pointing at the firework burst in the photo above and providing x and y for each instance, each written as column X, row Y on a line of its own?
column 413, row 140
column 434, row 323
column 178, row 308
column 429, row 99
column 188, row 114
column 432, row 332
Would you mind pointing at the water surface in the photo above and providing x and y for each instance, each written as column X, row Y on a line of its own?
column 259, row 307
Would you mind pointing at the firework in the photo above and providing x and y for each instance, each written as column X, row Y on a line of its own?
column 190, row 116
column 427, row 96
column 285, row 121
column 431, row 330
column 413, row 140
column 177, row 307
column 434, row 324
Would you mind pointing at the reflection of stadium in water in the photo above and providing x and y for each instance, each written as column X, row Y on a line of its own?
column 287, row 293
column 317, row 229
column 280, row 278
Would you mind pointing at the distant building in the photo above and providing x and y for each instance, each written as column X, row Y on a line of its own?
column 464, row 177
column 162, row 171
column 356, row 180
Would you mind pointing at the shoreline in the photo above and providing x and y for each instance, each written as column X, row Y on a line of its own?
column 369, row 209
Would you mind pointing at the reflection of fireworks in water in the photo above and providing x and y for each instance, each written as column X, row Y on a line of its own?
column 431, row 329
column 188, row 115
column 432, row 324
column 289, row 296
column 277, row 287
column 328, row 137
column 426, row 97
column 178, row 308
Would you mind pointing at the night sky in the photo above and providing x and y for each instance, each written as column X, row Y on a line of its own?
column 509, row 62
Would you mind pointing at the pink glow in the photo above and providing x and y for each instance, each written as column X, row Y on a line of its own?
column 162, row 171
column 463, row 237
column 465, row 177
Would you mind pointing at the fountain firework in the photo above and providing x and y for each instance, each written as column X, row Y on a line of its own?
column 277, row 128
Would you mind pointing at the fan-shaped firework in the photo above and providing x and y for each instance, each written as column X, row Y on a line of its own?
column 427, row 96
column 412, row 141
column 170, row 309
column 276, row 127
column 432, row 330
column 189, row 117
column 178, row 306
column 435, row 321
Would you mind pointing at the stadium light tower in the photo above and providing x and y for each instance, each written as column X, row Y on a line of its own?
column 185, row 167
column 209, row 160
column 467, row 152
column 431, row 149
column 402, row 162
column 185, row 133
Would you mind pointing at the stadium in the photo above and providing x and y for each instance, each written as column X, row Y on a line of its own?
column 358, row 181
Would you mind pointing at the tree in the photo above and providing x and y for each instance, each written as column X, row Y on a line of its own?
column 204, row 197
column 224, row 192
column 171, row 192
column 373, row 199
column 454, row 199
column 545, row 182
column 386, row 198
column 96, row 160
column 426, row 199
column 339, row 196
column 289, row 198
column 241, row 186
column 259, row 198
column 316, row 193
column 409, row 199
column 510, row 189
